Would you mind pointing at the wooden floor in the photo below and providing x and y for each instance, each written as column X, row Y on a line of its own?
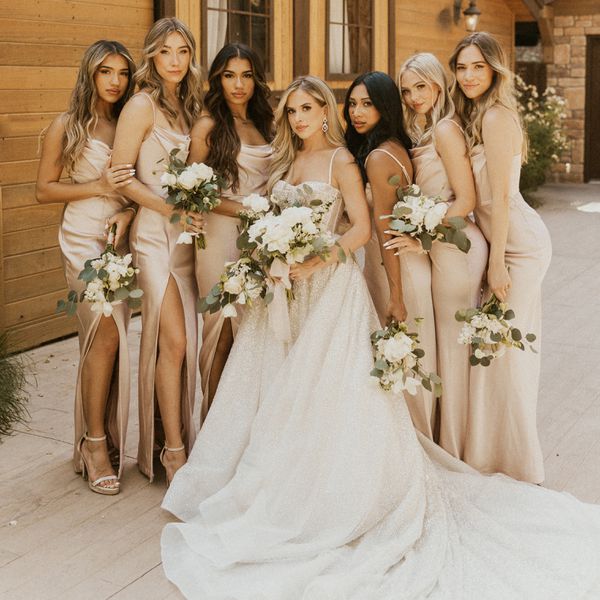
column 58, row 540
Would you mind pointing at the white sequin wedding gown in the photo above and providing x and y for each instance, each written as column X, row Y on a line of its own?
column 309, row 482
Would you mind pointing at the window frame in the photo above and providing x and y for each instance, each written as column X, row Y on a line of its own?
column 270, row 32
column 347, row 76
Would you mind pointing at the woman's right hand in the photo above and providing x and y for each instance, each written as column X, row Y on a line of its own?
column 396, row 311
column 116, row 177
column 192, row 222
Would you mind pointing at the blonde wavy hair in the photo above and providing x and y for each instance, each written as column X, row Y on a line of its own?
column 149, row 81
column 81, row 117
column 426, row 66
column 500, row 93
column 285, row 143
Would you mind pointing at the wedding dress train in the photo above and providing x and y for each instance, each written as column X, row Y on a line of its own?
column 307, row 481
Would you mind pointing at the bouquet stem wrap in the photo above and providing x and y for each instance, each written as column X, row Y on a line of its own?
column 279, row 283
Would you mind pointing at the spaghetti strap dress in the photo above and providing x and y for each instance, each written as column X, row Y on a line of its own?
column 82, row 237
column 415, row 272
column 456, row 280
column 221, row 235
column 153, row 243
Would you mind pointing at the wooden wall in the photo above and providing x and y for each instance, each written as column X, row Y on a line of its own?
column 41, row 44
column 429, row 27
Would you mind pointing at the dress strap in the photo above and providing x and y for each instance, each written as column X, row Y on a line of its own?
column 451, row 120
column 402, row 167
column 146, row 95
column 331, row 164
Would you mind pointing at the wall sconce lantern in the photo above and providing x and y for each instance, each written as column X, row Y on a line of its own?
column 471, row 14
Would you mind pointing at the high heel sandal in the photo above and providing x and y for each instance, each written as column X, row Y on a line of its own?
column 162, row 461
column 95, row 485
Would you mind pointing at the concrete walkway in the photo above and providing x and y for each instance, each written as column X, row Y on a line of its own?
column 59, row 540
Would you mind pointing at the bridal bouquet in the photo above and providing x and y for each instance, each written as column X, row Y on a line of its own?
column 190, row 188
column 397, row 359
column 488, row 332
column 421, row 217
column 110, row 279
column 243, row 282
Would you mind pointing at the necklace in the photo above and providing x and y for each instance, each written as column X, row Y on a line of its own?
column 242, row 121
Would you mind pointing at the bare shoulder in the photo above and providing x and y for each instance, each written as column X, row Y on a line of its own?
column 57, row 127
column 139, row 105
column 499, row 118
column 203, row 126
column 448, row 135
column 382, row 161
column 343, row 157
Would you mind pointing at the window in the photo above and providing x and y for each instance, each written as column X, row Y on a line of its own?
column 350, row 38
column 245, row 21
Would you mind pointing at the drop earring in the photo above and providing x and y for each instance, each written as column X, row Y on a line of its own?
column 325, row 126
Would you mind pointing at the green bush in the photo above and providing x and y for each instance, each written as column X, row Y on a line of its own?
column 13, row 378
column 542, row 117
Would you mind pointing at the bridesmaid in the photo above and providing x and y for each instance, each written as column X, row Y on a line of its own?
column 442, row 168
column 402, row 290
column 502, row 434
column 154, row 122
column 79, row 141
column 232, row 136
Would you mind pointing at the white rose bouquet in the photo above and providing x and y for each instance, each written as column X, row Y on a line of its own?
column 110, row 279
column 397, row 363
column 191, row 188
column 488, row 332
column 243, row 282
column 422, row 217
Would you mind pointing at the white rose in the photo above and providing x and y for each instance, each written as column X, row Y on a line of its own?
column 187, row 180
column 185, row 237
column 201, row 171
column 434, row 215
column 168, row 179
column 396, row 348
column 229, row 311
column 296, row 214
column 256, row 203
column 233, row 285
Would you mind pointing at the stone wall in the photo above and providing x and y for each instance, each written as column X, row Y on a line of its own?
column 567, row 74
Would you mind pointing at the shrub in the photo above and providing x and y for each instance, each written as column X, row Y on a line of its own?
column 542, row 117
column 13, row 378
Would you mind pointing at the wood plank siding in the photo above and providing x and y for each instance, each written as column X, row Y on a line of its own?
column 41, row 44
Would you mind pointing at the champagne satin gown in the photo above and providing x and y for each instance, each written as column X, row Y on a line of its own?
column 153, row 243
column 456, row 280
column 82, row 237
column 221, row 235
column 502, row 434
column 416, row 290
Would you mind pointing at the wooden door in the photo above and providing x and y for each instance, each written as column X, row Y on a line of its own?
column 592, row 117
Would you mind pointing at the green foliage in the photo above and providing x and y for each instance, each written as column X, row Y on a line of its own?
column 542, row 117
column 13, row 378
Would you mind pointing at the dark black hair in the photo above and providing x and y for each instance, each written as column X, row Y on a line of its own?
column 223, row 140
column 385, row 96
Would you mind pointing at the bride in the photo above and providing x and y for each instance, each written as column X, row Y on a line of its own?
column 309, row 482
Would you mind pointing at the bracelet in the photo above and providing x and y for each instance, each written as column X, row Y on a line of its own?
column 131, row 208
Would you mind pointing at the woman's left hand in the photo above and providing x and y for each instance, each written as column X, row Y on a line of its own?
column 403, row 243
column 306, row 269
column 122, row 220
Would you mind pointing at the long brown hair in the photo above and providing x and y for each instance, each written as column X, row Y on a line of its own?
column 81, row 116
column 223, row 140
column 500, row 93
column 149, row 81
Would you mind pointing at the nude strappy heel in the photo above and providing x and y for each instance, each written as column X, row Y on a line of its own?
column 162, row 462
column 95, row 485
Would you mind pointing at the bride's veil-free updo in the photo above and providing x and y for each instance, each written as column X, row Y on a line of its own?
column 430, row 70
column 285, row 143
column 149, row 81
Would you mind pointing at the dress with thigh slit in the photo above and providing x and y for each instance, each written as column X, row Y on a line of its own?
column 82, row 237
column 221, row 236
column 154, row 245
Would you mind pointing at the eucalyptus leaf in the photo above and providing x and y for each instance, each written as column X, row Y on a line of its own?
column 473, row 360
column 121, row 294
column 516, row 334
column 530, row 337
column 395, row 180
column 137, row 293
